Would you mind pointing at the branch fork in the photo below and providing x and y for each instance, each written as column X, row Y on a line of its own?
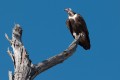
column 23, row 67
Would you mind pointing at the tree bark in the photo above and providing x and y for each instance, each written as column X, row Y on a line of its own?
column 23, row 67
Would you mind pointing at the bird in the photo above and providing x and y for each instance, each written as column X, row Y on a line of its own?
column 77, row 26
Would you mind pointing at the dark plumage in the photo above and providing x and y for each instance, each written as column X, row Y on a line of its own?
column 77, row 26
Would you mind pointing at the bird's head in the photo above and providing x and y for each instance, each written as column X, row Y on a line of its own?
column 70, row 12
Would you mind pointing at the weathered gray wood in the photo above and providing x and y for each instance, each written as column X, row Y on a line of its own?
column 20, row 58
column 23, row 68
column 48, row 63
column 10, row 75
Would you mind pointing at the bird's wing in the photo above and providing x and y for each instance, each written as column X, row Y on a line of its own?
column 81, row 23
column 69, row 25
column 84, row 41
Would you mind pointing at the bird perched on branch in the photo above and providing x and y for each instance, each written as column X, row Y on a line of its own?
column 77, row 26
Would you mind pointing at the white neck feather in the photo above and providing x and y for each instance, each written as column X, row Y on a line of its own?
column 72, row 17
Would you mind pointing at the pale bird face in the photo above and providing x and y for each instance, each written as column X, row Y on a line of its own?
column 68, row 10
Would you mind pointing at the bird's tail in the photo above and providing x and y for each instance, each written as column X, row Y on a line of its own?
column 85, row 43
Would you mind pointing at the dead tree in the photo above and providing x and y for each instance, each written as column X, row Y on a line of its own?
column 23, row 67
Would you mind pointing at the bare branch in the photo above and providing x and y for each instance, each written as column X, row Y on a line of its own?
column 23, row 68
column 46, row 64
column 22, row 63
column 10, row 75
column 10, row 54
column 8, row 38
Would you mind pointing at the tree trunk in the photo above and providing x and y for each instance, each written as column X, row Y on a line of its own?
column 23, row 68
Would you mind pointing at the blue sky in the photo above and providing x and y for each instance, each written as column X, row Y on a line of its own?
column 45, row 34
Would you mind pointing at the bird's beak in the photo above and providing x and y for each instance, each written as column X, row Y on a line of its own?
column 66, row 10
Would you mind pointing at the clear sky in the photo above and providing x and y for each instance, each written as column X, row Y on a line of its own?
column 45, row 34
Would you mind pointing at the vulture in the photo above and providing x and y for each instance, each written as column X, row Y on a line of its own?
column 77, row 26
